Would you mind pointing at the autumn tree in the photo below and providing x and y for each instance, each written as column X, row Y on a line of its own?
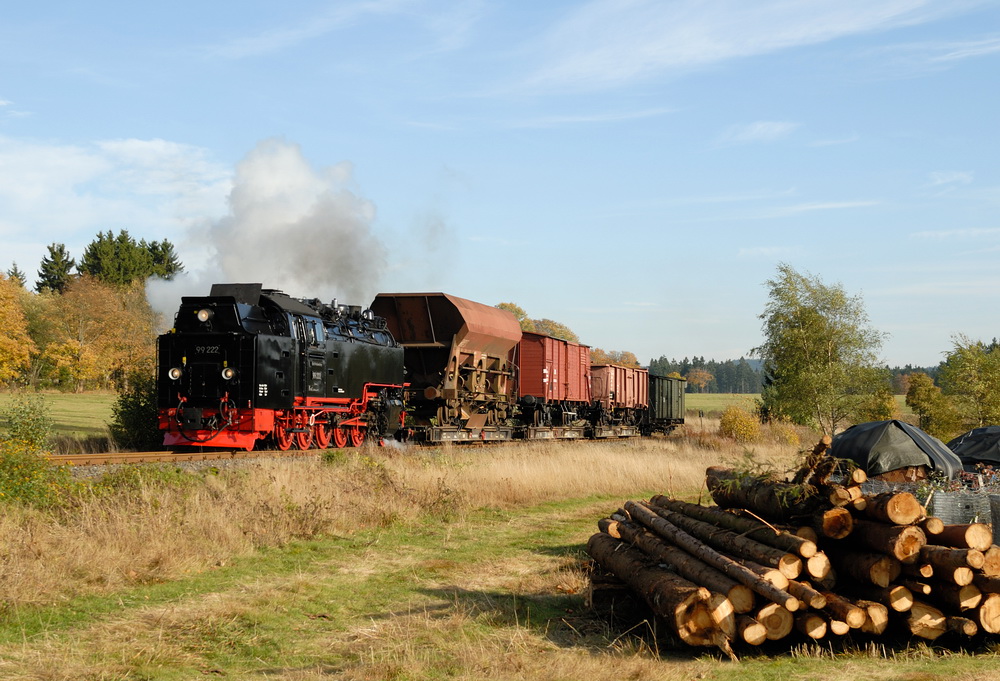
column 56, row 269
column 970, row 374
column 520, row 314
column 820, row 355
column 15, row 343
column 937, row 412
column 622, row 358
column 699, row 378
column 555, row 329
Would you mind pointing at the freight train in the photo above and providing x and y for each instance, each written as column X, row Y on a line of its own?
column 248, row 367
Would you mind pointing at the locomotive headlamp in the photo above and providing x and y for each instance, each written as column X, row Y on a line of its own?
column 174, row 373
column 228, row 373
column 205, row 314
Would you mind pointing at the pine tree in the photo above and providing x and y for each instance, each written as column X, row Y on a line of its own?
column 16, row 275
column 55, row 271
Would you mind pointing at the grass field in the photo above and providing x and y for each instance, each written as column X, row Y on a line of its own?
column 78, row 415
column 409, row 564
column 713, row 404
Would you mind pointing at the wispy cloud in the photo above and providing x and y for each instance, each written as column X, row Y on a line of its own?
column 797, row 209
column 950, row 177
column 757, row 132
column 608, row 43
column 958, row 234
column 340, row 15
column 769, row 252
column 850, row 139
column 4, row 102
column 588, row 119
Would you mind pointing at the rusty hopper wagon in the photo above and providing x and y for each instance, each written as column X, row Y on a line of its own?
column 457, row 360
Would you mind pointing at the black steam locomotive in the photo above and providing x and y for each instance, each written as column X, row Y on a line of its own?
column 246, row 364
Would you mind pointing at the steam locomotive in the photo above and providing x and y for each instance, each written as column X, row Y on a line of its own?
column 246, row 366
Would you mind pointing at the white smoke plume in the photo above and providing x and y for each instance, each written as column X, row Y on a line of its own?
column 291, row 227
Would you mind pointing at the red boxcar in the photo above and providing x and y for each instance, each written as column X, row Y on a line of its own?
column 617, row 387
column 552, row 369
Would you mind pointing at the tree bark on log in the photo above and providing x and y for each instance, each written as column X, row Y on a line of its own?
column 687, row 565
column 960, row 575
column 894, row 508
column 962, row 626
column 734, row 544
column 753, row 529
column 944, row 557
column 896, row 597
column 709, row 555
column 771, row 499
column 868, row 568
column 685, row 607
column 957, row 597
column 768, row 574
column 969, row 536
column 902, row 542
column 842, row 609
column 918, row 570
column 808, row 595
column 917, row 588
column 990, row 585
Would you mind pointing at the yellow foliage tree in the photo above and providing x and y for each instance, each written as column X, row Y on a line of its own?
column 16, row 345
column 622, row 358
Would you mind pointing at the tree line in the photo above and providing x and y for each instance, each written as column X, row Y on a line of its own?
column 730, row 376
column 85, row 325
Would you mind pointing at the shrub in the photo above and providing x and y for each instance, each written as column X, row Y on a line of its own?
column 739, row 424
column 134, row 419
column 27, row 477
column 28, row 422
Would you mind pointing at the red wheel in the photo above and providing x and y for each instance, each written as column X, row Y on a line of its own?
column 321, row 434
column 339, row 437
column 357, row 436
column 304, row 438
column 282, row 438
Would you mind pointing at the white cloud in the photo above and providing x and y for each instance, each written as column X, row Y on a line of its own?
column 957, row 234
column 4, row 102
column 68, row 193
column 951, row 177
column 759, row 131
column 607, row 43
column 818, row 206
column 340, row 15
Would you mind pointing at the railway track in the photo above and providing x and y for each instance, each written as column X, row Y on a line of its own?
column 106, row 458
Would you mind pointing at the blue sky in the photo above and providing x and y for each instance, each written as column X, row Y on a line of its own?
column 633, row 169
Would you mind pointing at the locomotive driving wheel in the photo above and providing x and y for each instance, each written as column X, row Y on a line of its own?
column 303, row 438
column 339, row 437
column 322, row 434
column 357, row 436
column 282, row 438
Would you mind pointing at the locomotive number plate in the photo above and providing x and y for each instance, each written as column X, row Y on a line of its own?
column 207, row 349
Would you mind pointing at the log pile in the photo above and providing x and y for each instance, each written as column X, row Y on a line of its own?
column 808, row 559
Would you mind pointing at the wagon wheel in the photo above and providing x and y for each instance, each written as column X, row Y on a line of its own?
column 282, row 438
column 339, row 437
column 322, row 434
column 357, row 436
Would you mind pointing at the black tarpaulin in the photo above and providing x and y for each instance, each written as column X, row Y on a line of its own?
column 979, row 445
column 882, row 446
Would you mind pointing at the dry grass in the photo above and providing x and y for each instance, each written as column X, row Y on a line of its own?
column 147, row 530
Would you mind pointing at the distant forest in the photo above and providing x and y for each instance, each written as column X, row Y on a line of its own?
column 746, row 375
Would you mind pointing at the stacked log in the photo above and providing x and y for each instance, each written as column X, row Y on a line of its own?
column 808, row 559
